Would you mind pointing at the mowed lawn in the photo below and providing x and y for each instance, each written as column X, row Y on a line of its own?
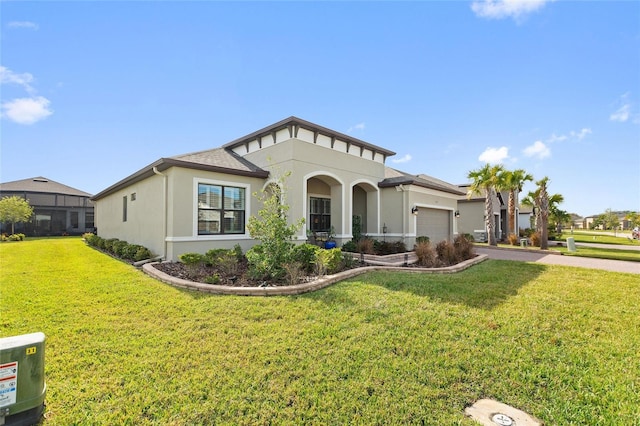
column 562, row 344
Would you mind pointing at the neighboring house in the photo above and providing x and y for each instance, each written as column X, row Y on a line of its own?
column 58, row 209
column 472, row 210
column 194, row 202
column 526, row 220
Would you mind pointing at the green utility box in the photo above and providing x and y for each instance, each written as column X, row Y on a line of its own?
column 22, row 386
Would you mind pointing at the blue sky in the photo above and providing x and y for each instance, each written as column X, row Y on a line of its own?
column 94, row 91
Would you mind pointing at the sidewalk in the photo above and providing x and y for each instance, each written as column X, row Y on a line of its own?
column 554, row 258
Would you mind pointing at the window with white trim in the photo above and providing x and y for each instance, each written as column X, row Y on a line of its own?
column 320, row 214
column 221, row 209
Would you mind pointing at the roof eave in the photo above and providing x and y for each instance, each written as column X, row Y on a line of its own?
column 166, row 163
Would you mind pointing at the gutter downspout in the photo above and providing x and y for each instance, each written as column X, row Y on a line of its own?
column 164, row 211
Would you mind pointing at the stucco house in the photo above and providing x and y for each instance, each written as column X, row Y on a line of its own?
column 197, row 201
column 58, row 209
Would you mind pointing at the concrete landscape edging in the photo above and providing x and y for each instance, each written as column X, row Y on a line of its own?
column 291, row 290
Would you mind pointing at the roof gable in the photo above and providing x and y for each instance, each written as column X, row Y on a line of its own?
column 312, row 133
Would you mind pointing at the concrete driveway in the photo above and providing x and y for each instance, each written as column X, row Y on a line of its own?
column 554, row 258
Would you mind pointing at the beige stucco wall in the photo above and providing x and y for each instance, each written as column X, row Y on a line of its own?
column 144, row 215
column 472, row 215
column 182, row 214
column 396, row 210
column 338, row 171
column 315, row 169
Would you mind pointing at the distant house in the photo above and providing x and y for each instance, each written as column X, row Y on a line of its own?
column 471, row 214
column 58, row 209
column 198, row 201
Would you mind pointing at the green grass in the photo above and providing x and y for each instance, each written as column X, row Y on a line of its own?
column 383, row 348
column 601, row 253
column 599, row 238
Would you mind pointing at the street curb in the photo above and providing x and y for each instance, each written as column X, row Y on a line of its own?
column 523, row 250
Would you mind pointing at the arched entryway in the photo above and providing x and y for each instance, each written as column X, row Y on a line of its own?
column 324, row 204
column 364, row 207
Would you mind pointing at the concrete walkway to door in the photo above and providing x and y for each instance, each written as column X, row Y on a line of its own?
column 555, row 258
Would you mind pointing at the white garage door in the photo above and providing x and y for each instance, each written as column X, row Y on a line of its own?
column 435, row 224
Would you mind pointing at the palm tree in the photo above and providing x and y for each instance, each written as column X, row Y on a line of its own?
column 487, row 180
column 542, row 204
column 514, row 180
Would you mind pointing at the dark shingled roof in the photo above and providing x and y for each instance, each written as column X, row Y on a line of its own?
column 395, row 177
column 223, row 159
column 213, row 160
column 41, row 184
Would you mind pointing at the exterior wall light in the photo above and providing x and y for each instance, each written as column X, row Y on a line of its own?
column 414, row 210
column 457, row 213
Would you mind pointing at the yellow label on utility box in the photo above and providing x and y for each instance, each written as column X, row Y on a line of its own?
column 32, row 350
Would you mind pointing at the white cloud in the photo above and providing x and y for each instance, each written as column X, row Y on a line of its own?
column 554, row 138
column 23, row 24
column 499, row 9
column 538, row 150
column 23, row 110
column 359, row 126
column 622, row 114
column 494, row 155
column 27, row 110
column 9, row 77
column 581, row 134
column 404, row 159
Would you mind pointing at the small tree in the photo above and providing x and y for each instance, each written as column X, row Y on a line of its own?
column 610, row 220
column 272, row 228
column 633, row 218
column 15, row 210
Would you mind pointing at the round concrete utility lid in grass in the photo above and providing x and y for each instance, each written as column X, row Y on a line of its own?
column 502, row 419
column 488, row 412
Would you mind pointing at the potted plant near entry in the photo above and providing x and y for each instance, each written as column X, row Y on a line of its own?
column 330, row 243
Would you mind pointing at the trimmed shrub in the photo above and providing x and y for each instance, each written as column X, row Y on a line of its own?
column 193, row 261
column 427, row 256
column 108, row 244
column 422, row 239
column 463, row 248
column 328, row 261
column 237, row 251
column 294, row 271
column 119, row 248
column 348, row 261
column 228, row 263
column 142, row 253
column 212, row 279
column 350, row 246
column 365, row 246
column 446, row 253
column 262, row 266
column 305, row 254
column 535, row 239
column 211, row 257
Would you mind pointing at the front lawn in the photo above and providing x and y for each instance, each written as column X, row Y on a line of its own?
column 600, row 238
column 600, row 253
column 383, row 348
